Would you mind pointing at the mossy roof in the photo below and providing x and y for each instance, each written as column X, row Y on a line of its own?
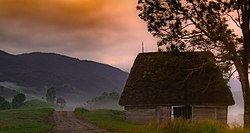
column 176, row 78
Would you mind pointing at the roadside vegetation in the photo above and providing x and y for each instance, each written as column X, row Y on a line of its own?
column 185, row 126
column 111, row 120
column 32, row 117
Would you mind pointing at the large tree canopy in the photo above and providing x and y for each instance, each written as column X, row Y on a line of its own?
column 207, row 25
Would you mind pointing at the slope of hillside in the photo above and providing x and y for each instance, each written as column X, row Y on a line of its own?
column 75, row 80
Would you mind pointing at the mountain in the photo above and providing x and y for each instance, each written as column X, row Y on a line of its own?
column 75, row 80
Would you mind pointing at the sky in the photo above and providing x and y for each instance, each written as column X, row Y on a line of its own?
column 106, row 31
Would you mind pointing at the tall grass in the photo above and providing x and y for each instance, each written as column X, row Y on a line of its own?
column 187, row 126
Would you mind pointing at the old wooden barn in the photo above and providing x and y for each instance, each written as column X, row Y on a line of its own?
column 168, row 85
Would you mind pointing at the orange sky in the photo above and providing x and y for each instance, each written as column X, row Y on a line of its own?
column 107, row 31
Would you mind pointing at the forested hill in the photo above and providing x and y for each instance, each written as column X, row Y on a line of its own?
column 73, row 79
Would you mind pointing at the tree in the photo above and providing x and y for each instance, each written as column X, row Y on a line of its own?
column 203, row 25
column 18, row 100
column 51, row 95
column 4, row 104
column 61, row 101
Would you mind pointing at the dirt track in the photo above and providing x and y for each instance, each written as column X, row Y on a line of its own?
column 66, row 122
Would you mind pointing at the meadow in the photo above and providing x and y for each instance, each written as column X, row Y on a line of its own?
column 33, row 117
column 113, row 120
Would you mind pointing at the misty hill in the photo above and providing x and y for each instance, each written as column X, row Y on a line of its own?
column 7, row 93
column 75, row 80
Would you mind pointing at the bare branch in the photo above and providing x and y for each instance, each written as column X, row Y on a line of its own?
column 239, row 18
column 187, row 26
column 191, row 36
column 235, row 21
column 231, row 74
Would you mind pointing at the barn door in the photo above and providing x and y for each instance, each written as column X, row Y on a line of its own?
column 184, row 112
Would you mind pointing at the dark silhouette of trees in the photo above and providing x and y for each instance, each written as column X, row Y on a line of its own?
column 51, row 95
column 203, row 25
column 18, row 100
column 4, row 104
column 61, row 101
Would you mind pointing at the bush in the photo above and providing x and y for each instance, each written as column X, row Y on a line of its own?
column 4, row 104
column 18, row 100
column 81, row 110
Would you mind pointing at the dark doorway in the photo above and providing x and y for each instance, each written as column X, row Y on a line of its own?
column 184, row 112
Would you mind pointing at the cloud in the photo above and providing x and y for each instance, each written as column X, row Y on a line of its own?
column 107, row 31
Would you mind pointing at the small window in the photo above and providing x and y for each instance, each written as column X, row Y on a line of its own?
column 184, row 112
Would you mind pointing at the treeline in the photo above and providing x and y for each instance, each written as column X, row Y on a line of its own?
column 105, row 95
column 17, row 102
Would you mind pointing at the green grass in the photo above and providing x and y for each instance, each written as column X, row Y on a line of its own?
column 111, row 120
column 35, row 104
column 30, row 118
column 114, row 121
column 185, row 126
column 25, row 120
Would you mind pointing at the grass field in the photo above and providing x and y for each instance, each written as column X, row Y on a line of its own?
column 35, row 104
column 114, row 121
column 26, row 119
column 108, row 119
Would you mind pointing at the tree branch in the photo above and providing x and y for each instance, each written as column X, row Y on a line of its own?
column 235, row 21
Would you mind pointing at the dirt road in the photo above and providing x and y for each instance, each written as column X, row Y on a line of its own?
column 66, row 122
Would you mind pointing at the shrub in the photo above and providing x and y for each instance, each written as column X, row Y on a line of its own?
column 81, row 110
column 18, row 100
column 4, row 104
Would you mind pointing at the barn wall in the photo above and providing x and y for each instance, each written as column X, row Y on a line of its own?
column 162, row 113
column 147, row 113
column 140, row 114
column 210, row 112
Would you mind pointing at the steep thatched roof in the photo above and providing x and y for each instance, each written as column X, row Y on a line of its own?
column 176, row 78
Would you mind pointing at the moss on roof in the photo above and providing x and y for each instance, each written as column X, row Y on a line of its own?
column 176, row 78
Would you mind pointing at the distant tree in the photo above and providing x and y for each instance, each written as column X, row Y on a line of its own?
column 105, row 95
column 18, row 100
column 51, row 95
column 114, row 94
column 61, row 101
column 4, row 104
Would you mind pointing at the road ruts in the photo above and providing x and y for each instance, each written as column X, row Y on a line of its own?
column 66, row 122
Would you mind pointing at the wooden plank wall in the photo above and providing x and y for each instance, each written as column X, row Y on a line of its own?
column 210, row 113
column 147, row 114
column 160, row 113
column 163, row 113
column 140, row 115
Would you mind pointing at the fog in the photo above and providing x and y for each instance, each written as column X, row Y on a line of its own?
column 235, row 112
